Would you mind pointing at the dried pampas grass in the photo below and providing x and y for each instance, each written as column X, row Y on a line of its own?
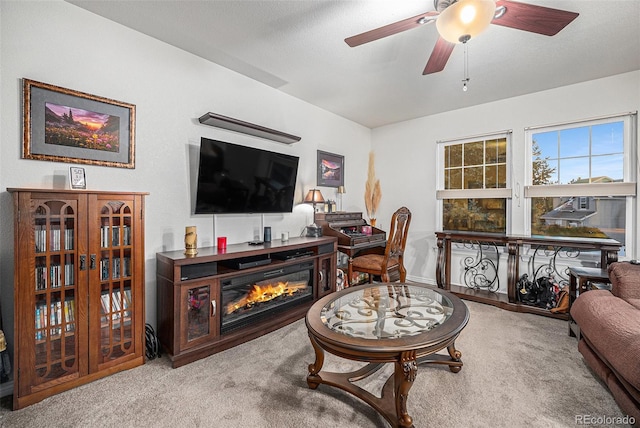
column 372, row 190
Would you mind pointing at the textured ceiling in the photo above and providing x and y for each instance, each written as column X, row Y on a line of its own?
column 298, row 48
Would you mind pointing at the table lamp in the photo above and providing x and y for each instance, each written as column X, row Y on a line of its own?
column 313, row 197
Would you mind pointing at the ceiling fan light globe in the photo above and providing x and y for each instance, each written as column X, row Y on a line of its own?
column 465, row 19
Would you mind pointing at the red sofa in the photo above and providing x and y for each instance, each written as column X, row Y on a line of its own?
column 609, row 324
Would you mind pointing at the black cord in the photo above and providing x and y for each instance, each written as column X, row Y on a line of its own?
column 152, row 345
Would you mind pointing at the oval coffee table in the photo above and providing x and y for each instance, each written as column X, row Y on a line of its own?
column 404, row 324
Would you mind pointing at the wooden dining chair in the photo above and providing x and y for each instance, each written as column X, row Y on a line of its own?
column 381, row 264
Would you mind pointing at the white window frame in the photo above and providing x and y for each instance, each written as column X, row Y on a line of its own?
column 627, row 188
column 442, row 193
column 582, row 203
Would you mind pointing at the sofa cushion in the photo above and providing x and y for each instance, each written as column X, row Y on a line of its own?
column 612, row 326
column 625, row 282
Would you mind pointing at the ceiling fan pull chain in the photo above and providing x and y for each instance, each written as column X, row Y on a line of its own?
column 466, row 68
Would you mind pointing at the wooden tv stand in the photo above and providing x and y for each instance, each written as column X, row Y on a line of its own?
column 189, row 294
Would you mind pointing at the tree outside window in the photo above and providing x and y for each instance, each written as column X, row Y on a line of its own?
column 579, row 156
column 470, row 169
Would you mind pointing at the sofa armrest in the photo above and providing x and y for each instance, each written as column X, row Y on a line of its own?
column 625, row 281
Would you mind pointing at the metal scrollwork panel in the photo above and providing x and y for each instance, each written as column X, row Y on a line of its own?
column 544, row 262
column 481, row 270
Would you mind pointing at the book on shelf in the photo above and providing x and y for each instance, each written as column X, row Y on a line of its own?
column 120, row 268
column 54, row 238
column 70, row 314
column 55, row 275
column 115, row 236
column 104, row 236
column 41, row 277
column 41, row 238
column 111, row 236
column 115, row 306
column 69, row 272
column 116, row 268
column 54, row 318
column 68, row 239
column 54, row 278
column 123, row 302
column 126, row 235
column 41, row 315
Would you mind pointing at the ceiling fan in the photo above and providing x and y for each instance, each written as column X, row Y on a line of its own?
column 460, row 20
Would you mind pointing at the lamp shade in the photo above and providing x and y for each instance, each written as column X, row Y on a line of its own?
column 465, row 19
column 341, row 190
column 314, row 197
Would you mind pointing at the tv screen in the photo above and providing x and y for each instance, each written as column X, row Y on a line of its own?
column 235, row 179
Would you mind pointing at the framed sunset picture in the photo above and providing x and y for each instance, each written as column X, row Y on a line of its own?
column 64, row 125
column 330, row 169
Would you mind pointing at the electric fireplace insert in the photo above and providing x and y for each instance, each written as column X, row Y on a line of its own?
column 251, row 298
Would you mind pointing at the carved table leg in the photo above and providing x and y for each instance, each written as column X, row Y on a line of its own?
column 405, row 373
column 456, row 356
column 313, row 380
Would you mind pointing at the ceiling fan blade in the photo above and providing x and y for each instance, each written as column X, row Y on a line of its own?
column 439, row 56
column 388, row 30
column 536, row 19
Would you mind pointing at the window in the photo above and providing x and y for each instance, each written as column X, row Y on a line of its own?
column 473, row 185
column 583, row 203
column 582, row 180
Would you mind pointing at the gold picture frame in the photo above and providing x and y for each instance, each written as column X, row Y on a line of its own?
column 63, row 125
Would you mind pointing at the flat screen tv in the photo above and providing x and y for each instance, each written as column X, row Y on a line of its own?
column 234, row 179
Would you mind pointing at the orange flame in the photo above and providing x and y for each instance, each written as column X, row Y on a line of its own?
column 265, row 293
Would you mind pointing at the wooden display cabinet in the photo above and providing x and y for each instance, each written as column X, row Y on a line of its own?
column 78, row 288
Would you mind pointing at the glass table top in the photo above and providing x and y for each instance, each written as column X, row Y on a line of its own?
column 387, row 311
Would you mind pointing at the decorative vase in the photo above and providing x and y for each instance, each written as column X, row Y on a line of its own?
column 372, row 221
column 190, row 241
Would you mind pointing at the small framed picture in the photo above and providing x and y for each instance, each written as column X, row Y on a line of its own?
column 330, row 169
column 77, row 178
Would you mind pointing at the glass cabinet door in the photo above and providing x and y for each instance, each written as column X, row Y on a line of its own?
column 54, row 316
column 326, row 276
column 115, row 296
column 198, row 313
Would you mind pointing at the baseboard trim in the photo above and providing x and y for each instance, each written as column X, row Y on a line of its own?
column 422, row 280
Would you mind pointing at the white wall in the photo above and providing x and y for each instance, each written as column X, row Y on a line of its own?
column 408, row 150
column 58, row 43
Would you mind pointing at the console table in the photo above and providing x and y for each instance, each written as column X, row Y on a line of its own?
column 483, row 270
column 202, row 300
